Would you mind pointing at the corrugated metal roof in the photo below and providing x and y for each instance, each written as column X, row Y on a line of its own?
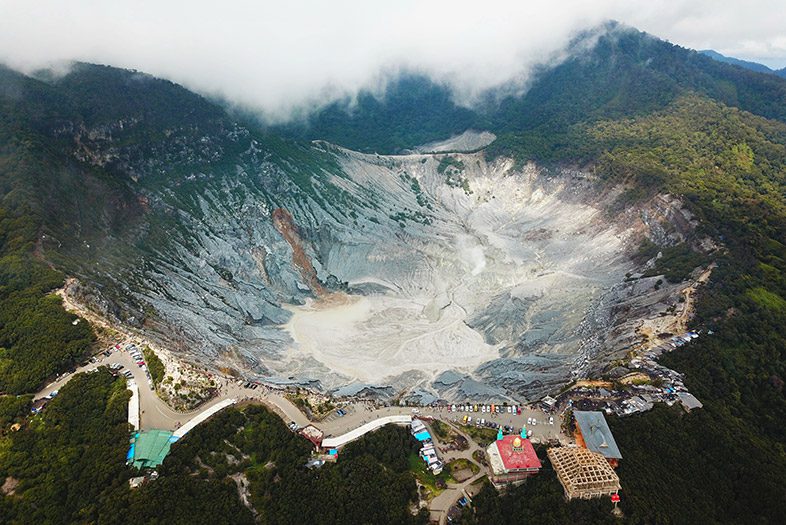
column 689, row 400
column 596, row 433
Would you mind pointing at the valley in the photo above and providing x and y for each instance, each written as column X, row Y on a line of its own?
column 443, row 276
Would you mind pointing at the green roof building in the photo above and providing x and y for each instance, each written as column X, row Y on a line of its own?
column 150, row 447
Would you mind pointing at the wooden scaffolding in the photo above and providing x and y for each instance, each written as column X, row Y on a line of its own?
column 583, row 473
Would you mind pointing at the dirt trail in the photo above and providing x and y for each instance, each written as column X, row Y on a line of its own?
column 687, row 310
column 107, row 333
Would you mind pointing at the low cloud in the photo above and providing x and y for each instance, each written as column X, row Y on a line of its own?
column 278, row 59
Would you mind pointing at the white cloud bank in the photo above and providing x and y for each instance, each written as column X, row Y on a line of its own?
column 277, row 57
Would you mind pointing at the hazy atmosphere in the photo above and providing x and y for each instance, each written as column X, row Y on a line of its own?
column 283, row 58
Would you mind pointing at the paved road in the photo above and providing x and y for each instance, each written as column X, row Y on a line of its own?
column 360, row 413
column 440, row 505
column 155, row 413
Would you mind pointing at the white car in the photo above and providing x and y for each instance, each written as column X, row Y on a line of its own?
column 483, row 409
column 551, row 420
column 529, row 420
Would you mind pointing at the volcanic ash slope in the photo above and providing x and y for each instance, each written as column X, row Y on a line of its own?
column 492, row 274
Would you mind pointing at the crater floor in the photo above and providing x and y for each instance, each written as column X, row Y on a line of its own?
column 502, row 282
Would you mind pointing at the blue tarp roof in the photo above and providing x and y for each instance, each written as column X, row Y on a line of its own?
column 596, row 433
column 423, row 436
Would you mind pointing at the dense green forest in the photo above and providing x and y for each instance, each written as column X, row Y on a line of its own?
column 623, row 73
column 68, row 461
column 412, row 110
column 369, row 484
column 68, row 467
column 37, row 337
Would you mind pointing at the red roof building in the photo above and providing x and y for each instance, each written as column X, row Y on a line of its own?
column 313, row 434
column 512, row 460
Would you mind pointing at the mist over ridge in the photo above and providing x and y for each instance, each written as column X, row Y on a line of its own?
column 285, row 61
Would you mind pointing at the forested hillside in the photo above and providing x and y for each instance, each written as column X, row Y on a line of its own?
column 611, row 72
column 67, row 466
column 412, row 110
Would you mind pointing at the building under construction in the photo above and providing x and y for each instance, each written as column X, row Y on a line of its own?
column 583, row 473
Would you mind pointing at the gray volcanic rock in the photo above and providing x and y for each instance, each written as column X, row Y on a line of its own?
column 442, row 275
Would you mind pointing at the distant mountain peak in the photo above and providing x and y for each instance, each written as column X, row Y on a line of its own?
column 747, row 64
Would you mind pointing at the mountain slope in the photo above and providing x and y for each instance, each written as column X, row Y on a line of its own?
column 613, row 71
column 753, row 66
column 81, row 159
column 413, row 110
column 747, row 64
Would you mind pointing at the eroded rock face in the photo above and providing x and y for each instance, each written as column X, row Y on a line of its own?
column 439, row 274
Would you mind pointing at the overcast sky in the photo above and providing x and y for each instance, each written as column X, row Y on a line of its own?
column 292, row 54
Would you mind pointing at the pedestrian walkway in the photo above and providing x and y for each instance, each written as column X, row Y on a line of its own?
column 371, row 426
